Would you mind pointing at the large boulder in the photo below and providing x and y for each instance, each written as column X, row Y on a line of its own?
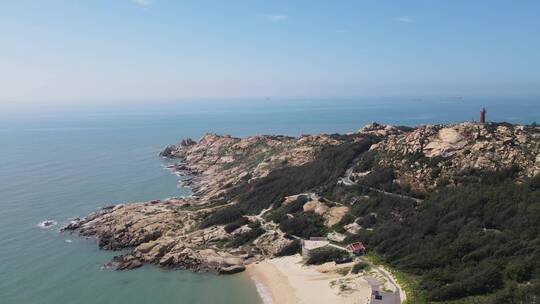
column 447, row 142
column 168, row 151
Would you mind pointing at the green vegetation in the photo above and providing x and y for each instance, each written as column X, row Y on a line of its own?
column 304, row 225
column 360, row 266
column 381, row 178
column 474, row 239
column 222, row 216
column 293, row 248
column 321, row 174
column 255, row 224
column 367, row 162
column 407, row 282
column 280, row 213
column 246, row 237
column 463, row 242
column 344, row 271
column 325, row 254
column 236, row 224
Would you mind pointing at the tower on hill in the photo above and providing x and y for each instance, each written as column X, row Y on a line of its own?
column 483, row 115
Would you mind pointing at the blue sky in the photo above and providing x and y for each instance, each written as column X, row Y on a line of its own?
column 54, row 50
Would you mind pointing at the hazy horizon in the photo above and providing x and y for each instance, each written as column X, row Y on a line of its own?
column 73, row 53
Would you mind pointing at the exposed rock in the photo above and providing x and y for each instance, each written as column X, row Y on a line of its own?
column 216, row 161
column 336, row 237
column 331, row 215
column 73, row 224
column 334, row 215
column 166, row 232
column 353, row 228
column 377, row 129
column 121, row 262
column 168, row 151
column 316, row 206
column 187, row 142
column 232, row 269
column 455, row 148
column 447, row 142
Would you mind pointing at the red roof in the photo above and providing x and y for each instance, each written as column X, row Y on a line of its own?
column 357, row 246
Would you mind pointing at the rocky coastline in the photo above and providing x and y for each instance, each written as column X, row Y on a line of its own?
column 224, row 172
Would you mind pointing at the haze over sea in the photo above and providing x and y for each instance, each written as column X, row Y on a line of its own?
column 61, row 163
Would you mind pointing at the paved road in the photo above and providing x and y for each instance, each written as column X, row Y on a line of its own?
column 387, row 297
column 347, row 181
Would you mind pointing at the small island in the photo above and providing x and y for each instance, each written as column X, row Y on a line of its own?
column 418, row 214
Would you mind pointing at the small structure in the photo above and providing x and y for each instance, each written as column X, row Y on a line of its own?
column 313, row 243
column 357, row 248
column 483, row 115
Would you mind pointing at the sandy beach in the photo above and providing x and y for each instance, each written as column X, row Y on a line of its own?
column 285, row 280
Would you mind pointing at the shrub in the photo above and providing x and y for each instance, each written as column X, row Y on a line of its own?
column 472, row 239
column 321, row 173
column 295, row 206
column 236, row 224
column 246, row 237
column 344, row 271
column 360, row 266
column 378, row 178
column 292, row 248
column 304, row 225
column 222, row 216
column 325, row 254
column 255, row 224
column 367, row 161
column 435, row 172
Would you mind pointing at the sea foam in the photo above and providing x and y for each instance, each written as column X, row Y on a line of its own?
column 263, row 292
column 47, row 224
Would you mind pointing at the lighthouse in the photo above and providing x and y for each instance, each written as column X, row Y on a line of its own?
column 483, row 115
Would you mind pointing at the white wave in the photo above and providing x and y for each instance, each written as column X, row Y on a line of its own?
column 47, row 224
column 68, row 241
column 264, row 293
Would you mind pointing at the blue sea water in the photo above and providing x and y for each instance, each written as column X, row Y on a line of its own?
column 61, row 163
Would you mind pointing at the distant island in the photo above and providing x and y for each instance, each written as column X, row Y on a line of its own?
column 425, row 214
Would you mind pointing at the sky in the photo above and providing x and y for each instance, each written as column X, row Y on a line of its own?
column 106, row 50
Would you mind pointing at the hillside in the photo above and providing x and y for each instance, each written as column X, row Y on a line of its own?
column 456, row 207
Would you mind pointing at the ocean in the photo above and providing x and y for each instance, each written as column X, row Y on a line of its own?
column 64, row 162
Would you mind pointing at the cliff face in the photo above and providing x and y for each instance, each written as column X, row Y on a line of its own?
column 215, row 231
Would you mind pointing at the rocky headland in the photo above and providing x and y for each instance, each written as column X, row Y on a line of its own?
column 253, row 197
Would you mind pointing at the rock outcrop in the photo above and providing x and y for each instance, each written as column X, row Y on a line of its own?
column 160, row 232
column 428, row 154
column 169, row 233
column 217, row 162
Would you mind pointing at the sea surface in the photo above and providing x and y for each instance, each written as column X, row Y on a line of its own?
column 61, row 162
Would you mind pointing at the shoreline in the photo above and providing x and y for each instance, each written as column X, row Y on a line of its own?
column 285, row 280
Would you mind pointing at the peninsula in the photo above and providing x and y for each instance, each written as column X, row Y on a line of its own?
column 451, row 210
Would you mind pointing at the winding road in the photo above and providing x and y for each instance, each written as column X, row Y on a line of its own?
column 347, row 181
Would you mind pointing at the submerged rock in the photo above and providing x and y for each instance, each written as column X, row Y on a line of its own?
column 47, row 223
column 232, row 269
column 121, row 262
